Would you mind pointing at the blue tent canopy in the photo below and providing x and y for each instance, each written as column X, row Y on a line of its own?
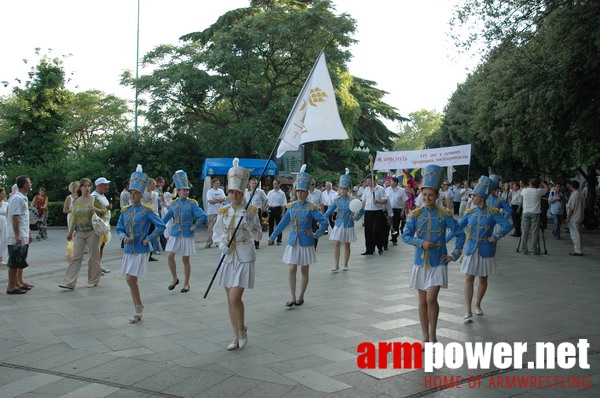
column 220, row 166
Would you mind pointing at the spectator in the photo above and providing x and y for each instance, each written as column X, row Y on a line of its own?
column 516, row 204
column 81, row 232
column 70, row 199
column 124, row 197
column 215, row 198
column 102, row 189
column 556, row 200
column 276, row 202
column 374, row 201
column 40, row 202
column 3, row 212
column 18, row 236
column 532, row 207
column 575, row 216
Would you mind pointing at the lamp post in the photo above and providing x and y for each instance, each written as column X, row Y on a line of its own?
column 137, row 62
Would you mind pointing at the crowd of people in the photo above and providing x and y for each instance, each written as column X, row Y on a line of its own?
column 427, row 215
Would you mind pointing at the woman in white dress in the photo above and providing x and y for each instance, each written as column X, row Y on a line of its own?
column 236, row 272
column 3, row 211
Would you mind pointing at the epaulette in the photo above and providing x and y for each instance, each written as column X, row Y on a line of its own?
column 124, row 208
column 252, row 209
column 337, row 198
column 444, row 211
column 416, row 212
column 194, row 201
column 493, row 210
column 223, row 210
column 174, row 200
column 469, row 210
column 289, row 205
column 148, row 207
column 312, row 207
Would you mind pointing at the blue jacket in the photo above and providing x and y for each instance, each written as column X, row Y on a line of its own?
column 342, row 204
column 134, row 223
column 424, row 224
column 478, row 224
column 301, row 216
column 183, row 211
column 499, row 203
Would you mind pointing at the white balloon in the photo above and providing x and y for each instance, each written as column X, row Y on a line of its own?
column 355, row 205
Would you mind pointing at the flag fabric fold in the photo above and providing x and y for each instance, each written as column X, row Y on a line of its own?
column 315, row 115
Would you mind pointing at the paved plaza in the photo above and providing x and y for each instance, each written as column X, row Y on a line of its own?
column 61, row 343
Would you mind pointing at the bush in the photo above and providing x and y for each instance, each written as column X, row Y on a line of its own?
column 56, row 217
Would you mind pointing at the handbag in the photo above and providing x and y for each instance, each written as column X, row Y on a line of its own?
column 101, row 226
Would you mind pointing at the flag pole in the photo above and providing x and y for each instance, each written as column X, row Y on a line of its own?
column 287, row 122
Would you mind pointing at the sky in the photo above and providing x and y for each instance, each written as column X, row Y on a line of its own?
column 403, row 45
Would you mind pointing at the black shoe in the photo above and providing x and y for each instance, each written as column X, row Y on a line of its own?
column 366, row 253
column 152, row 259
column 385, row 248
column 278, row 243
column 171, row 287
column 395, row 243
column 290, row 303
column 16, row 291
column 380, row 252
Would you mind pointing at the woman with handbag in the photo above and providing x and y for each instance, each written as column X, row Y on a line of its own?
column 84, row 209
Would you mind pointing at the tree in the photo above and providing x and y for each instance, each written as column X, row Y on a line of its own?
column 232, row 85
column 413, row 134
column 33, row 117
column 94, row 119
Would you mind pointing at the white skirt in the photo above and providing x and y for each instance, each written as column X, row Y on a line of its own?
column 474, row 264
column 343, row 234
column 135, row 264
column 299, row 255
column 423, row 279
column 181, row 246
column 236, row 274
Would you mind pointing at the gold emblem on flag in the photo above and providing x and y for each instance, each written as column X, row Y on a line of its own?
column 317, row 95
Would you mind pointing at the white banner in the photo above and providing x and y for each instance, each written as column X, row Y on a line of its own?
column 449, row 156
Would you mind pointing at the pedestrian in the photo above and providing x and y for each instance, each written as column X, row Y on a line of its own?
column 215, row 198
column 397, row 200
column 70, row 199
column 532, row 207
column 181, row 235
column 575, row 216
column 426, row 230
column 3, row 212
column 276, row 202
column 257, row 198
column 40, row 202
column 481, row 237
column 150, row 199
column 81, row 232
column 18, row 236
column 102, row 188
column 124, row 196
column 133, row 229
column 300, row 250
column 556, row 200
column 237, row 268
column 376, row 230
column 516, row 203
column 343, row 230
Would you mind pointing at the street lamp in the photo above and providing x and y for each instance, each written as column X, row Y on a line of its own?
column 361, row 147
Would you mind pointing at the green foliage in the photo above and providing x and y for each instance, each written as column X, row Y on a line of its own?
column 413, row 134
column 56, row 217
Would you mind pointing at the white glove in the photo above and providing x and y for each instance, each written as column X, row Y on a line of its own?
column 242, row 213
column 225, row 249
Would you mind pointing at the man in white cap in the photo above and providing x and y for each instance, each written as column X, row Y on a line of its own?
column 102, row 188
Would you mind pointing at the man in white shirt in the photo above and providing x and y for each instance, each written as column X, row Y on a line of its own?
column 465, row 192
column 327, row 197
column 124, row 197
column 276, row 202
column 259, row 200
column 214, row 198
column 374, row 201
column 397, row 200
column 315, row 196
column 532, row 207
column 516, row 204
column 102, row 188
column 18, row 235
column 575, row 216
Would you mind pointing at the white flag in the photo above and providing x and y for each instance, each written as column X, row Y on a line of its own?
column 315, row 114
